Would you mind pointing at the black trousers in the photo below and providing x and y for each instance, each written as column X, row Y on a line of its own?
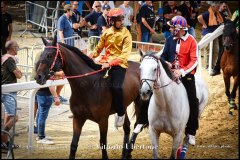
column 3, row 42
column 117, row 75
column 189, row 84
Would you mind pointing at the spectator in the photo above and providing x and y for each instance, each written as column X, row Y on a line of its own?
column 217, row 67
column 137, row 19
column 147, row 21
column 92, row 18
column 44, row 99
column 102, row 21
column 118, row 43
column 80, row 6
column 10, row 74
column 224, row 10
column 6, row 32
column 65, row 26
column 110, row 3
column 169, row 11
column 76, row 17
column 128, row 11
column 180, row 52
column 189, row 13
column 93, row 27
column 65, row 30
column 210, row 21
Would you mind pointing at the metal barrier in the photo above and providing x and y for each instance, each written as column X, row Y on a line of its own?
column 25, row 61
column 33, row 86
column 31, row 10
column 154, row 47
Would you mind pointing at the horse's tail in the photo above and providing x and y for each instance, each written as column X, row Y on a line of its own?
column 141, row 111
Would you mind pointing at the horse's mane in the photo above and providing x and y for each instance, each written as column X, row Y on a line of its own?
column 164, row 64
column 229, row 28
column 84, row 57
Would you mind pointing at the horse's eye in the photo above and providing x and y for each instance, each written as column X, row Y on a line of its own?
column 155, row 69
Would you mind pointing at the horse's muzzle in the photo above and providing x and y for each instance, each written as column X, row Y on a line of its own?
column 145, row 95
column 41, row 79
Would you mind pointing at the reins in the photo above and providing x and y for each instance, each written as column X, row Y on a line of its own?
column 77, row 76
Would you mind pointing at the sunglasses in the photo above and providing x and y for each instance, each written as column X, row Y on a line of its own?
column 98, row 6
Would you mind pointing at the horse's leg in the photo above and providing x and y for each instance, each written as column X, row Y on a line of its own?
column 232, row 104
column 154, row 136
column 141, row 110
column 103, row 127
column 227, row 84
column 126, row 128
column 77, row 129
column 177, row 139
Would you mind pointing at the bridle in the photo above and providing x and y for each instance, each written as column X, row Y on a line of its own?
column 158, row 73
column 55, row 58
column 54, row 62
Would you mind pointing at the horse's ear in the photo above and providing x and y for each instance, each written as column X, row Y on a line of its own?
column 54, row 42
column 44, row 41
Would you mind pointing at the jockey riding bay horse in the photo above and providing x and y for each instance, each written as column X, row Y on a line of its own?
column 91, row 93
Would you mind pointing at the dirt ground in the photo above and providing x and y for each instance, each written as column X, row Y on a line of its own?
column 217, row 137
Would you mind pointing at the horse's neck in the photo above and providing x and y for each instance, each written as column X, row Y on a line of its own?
column 163, row 78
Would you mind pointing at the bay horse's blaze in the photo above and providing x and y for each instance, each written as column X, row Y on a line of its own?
column 91, row 95
column 230, row 63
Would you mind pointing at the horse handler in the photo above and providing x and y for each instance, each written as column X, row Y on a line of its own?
column 117, row 41
column 181, row 51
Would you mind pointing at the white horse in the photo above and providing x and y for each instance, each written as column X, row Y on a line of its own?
column 169, row 107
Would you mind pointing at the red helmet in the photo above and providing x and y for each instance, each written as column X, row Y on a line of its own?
column 178, row 22
column 115, row 12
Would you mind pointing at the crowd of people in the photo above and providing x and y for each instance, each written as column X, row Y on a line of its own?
column 114, row 25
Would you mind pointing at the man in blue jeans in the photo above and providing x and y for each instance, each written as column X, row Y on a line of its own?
column 147, row 21
column 44, row 99
column 10, row 74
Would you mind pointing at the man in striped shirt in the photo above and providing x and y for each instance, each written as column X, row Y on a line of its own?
column 180, row 52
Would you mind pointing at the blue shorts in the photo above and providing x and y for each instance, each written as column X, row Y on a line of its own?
column 9, row 103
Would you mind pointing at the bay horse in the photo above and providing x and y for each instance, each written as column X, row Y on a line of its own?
column 230, row 63
column 91, row 96
column 168, row 109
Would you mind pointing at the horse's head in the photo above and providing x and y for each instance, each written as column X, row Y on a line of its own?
column 149, row 72
column 229, row 35
column 50, row 61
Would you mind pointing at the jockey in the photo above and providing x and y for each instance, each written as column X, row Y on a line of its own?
column 117, row 41
column 181, row 53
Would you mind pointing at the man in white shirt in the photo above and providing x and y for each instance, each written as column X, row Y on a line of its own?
column 128, row 11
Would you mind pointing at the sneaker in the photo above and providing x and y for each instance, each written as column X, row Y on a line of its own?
column 45, row 141
column 191, row 139
column 63, row 100
column 46, row 137
column 119, row 120
column 215, row 72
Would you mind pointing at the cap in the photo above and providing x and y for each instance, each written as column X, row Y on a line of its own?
column 67, row 7
column 106, row 7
